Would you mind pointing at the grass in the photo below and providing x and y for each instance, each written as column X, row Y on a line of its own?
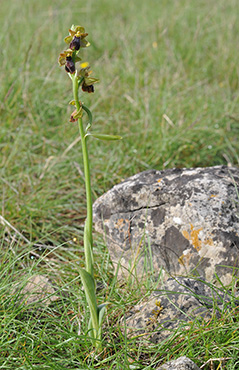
column 169, row 85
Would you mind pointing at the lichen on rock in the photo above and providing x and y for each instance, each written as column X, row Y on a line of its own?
column 185, row 221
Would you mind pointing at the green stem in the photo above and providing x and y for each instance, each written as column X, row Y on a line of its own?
column 88, row 242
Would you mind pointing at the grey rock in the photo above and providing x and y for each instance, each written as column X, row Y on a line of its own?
column 182, row 363
column 185, row 221
column 178, row 302
column 36, row 288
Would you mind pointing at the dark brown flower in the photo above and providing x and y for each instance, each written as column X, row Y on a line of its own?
column 77, row 32
column 70, row 65
column 75, row 43
column 87, row 88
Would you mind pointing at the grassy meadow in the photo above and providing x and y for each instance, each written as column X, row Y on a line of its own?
column 169, row 84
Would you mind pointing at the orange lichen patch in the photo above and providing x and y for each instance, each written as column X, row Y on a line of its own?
column 208, row 241
column 159, row 180
column 193, row 237
column 213, row 195
column 121, row 222
column 186, row 234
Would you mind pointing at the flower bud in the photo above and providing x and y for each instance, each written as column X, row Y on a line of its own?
column 73, row 119
column 76, row 114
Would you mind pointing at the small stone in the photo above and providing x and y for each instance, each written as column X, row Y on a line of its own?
column 182, row 363
column 37, row 288
column 178, row 301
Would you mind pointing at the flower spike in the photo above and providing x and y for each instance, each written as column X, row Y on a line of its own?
column 81, row 78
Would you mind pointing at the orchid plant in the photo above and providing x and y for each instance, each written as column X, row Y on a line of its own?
column 82, row 78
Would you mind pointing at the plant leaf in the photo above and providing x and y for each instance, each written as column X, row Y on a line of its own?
column 89, row 258
column 89, row 287
column 104, row 136
column 101, row 313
